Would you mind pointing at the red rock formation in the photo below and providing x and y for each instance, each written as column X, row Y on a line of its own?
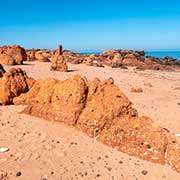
column 7, row 60
column 104, row 102
column 131, row 60
column 56, row 100
column 101, row 110
column 136, row 136
column 93, row 60
column 12, row 55
column 154, row 66
column 59, row 63
column 40, row 56
column 114, row 60
column 12, row 84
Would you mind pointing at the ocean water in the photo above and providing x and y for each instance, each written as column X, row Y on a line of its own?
column 160, row 54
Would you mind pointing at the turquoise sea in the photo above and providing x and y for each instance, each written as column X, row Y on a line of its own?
column 160, row 54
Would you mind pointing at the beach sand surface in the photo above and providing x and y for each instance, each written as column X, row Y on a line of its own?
column 46, row 150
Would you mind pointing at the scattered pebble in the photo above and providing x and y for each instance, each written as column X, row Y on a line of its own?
column 18, row 173
column 120, row 162
column 144, row 172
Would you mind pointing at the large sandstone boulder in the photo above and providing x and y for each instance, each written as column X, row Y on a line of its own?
column 114, row 60
column 109, row 52
column 41, row 56
column 56, row 100
column 31, row 55
column 104, row 102
column 7, row 60
column 73, row 58
column 101, row 110
column 93, row 60
column 12, row 55
column 132, row 60
column 59, row 63
column 12, row 84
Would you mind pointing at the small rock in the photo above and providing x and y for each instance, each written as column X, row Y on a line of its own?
column 144, row 172
column 136, row 90
column 18, row 173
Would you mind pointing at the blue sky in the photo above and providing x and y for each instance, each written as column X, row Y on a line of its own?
column 84, row 25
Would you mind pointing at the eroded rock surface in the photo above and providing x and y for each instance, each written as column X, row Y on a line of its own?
column 12, row 55
column 123, row 58
column 52, row 99
column 58, row 61
column 137, row 136
column 12, row 84
column 104, row 102
column 41, row 55
column 101, row 110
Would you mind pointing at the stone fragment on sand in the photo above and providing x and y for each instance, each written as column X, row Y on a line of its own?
column 136, row 90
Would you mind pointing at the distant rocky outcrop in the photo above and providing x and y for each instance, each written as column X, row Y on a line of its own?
column 122, row 59
column 12, row 55
column 59, row 61
column 41, row 55
column 102, row 111
column 73, row 58
column 12, row 84
column 119, row 58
